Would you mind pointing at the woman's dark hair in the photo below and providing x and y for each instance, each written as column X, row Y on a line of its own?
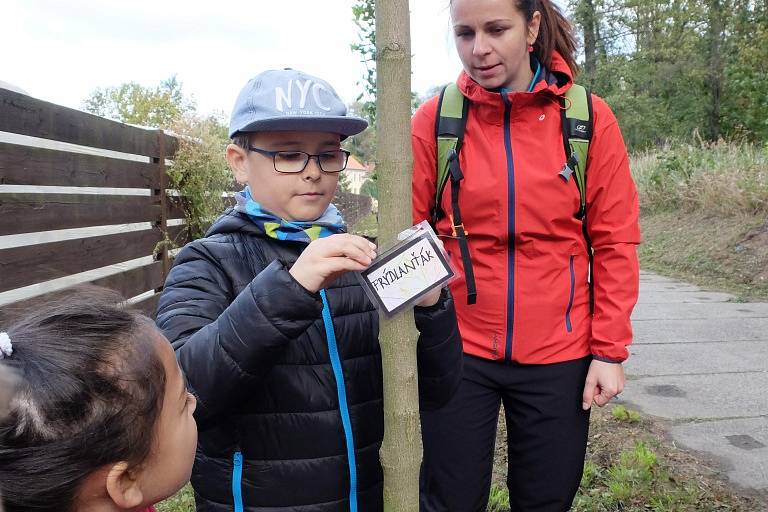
column 90, row 390
column 555, row 33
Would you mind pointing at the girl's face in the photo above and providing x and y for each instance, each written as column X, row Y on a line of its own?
column 169, row 464
column 492, row 38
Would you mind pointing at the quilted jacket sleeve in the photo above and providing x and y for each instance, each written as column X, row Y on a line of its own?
column 224, row 342
column 439, row 352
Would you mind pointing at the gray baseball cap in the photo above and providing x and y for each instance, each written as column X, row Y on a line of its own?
column 288, row 100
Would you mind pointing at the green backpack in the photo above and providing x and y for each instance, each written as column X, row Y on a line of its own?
column 576, row 118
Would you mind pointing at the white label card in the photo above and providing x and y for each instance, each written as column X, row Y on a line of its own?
column 407, row 273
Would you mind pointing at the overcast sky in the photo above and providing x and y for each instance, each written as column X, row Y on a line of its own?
column 61, row 51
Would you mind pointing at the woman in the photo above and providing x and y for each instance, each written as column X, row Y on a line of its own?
column 532, row 341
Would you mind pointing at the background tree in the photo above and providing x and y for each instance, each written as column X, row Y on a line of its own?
column 132, row 103
column 363, row 145
column 673, row 70
column 365, row 19
column 401, row 448
column 199, row 171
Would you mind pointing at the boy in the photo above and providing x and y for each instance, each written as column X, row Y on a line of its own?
column 277, row 338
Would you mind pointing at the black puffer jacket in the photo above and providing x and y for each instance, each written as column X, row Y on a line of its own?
column 252, row 343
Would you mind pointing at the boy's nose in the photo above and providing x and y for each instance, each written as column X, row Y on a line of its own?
column 312, row 171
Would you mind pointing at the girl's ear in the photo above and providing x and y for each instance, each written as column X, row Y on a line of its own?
column 123, row 486
column 533, row 27
column 237, row 159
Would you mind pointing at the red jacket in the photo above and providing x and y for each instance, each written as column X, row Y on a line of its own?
column 528, row 250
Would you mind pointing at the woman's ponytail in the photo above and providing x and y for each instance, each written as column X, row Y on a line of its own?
column 555, row 33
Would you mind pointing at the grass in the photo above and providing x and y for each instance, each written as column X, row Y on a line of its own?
column 728, row 253
column 704, row 215
column 184, row 501
column 631, row 467
column 722, row 179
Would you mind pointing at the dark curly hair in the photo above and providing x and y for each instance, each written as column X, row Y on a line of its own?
column 89, row 392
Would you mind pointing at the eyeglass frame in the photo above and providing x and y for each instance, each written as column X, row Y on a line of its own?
column 310, row 156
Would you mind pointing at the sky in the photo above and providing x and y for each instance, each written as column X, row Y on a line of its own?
column 61, row 51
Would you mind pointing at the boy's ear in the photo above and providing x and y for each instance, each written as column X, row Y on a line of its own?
column 123, row 486
column 237, row 159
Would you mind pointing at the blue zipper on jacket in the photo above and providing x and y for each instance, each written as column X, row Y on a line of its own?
column 570, row 298
column 237, row 481
column 346, row 422
column 510, row 224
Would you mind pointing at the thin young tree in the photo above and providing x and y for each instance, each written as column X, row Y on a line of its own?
column 401, row 449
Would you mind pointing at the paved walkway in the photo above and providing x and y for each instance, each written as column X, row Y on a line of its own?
column 701, row 362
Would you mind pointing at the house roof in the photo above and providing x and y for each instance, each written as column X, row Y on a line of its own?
column 353, row 164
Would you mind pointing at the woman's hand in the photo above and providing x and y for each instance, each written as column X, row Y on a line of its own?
column 604, row 381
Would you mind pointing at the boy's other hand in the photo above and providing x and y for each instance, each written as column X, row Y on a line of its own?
column 430, row 298
column 325, row 259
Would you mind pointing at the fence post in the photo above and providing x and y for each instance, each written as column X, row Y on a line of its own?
column 164, row 204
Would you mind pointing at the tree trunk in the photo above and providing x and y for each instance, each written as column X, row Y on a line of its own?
column 587, row 18
column 401, row 450
column 715, row 66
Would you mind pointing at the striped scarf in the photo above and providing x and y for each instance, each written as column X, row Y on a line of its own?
column 329, row 223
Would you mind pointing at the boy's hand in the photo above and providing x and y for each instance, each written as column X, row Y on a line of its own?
column 431, row 298
column 325, row 259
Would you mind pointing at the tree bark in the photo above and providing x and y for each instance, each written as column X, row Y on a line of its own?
column 401, row 450
column 716, row 70
column 587, row 18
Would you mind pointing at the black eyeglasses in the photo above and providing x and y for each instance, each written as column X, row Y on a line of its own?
column 292, row 162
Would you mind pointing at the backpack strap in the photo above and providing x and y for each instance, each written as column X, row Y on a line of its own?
column 576, row 116
column 452, row 110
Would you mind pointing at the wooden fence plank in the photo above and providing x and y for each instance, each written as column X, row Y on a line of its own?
column 26, row 165
column 129, row 283
column 29, row 213
column 25, row 115
column 23, row 266
column 134, row 281
column 148, row 306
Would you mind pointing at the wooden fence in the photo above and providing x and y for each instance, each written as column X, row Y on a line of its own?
column 84, row 200
column 44, row 221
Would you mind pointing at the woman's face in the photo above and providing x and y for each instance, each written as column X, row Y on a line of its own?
column 492, row 38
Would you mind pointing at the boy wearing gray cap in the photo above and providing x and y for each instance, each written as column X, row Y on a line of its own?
column 278, row 340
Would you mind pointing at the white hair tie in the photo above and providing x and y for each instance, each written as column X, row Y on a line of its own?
column 6, row 347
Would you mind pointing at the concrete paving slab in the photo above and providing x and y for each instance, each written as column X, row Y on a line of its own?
column 701, row 362
column 741, row 445
column 697, row 358
column 682, row 297
column 714, row 329
column 692, row 311
column 687, row 397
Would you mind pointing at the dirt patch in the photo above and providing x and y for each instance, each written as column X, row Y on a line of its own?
column 726, row 253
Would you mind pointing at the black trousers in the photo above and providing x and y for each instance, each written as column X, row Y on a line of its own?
column 546, row 430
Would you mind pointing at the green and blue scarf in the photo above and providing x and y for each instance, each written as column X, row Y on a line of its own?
column 329, row 223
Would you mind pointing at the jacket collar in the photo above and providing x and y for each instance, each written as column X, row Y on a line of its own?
column 555, row 80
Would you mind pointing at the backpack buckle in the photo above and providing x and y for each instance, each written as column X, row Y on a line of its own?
column 569, row 167
column 454, row 226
